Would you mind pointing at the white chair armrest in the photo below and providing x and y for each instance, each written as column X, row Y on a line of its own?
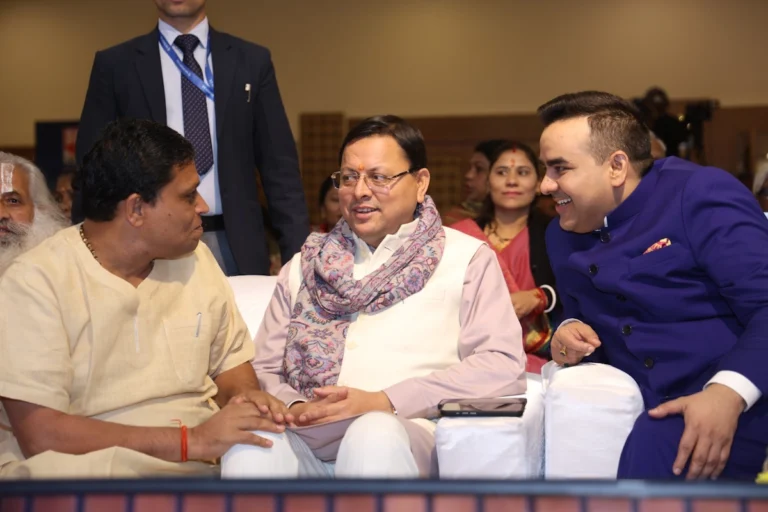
column 589, row 411
column 495, row 448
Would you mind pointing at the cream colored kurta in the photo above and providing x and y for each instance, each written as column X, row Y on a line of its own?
column 80, row 340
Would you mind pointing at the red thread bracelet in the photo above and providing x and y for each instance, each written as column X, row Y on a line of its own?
column 183, row 443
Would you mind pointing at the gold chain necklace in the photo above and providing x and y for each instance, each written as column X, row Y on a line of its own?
column 492, row 231
column 87, row 243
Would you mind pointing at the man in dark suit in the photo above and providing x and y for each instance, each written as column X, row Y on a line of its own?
column 236, row 126
column 662, row 273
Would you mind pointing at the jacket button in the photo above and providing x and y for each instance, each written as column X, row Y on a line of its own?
column 626, row 330
column 593, row 269
column 649, row 363
column 605, row 237
column 621, row 298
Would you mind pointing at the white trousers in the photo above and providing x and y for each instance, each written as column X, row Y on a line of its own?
column 376, row 445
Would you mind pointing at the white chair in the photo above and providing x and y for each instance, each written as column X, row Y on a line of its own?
column 589, row 411
column 495, row 448
column 252, row 296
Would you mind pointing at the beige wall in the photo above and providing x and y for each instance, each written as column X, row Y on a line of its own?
column 411, row 57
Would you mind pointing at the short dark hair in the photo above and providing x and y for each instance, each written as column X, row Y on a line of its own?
column 488, row 148
column 614, row 123
column 133, row 156
column 407, row 136
column 488, row 209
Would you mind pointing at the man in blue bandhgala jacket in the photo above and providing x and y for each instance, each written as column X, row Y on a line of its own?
column 663, row 271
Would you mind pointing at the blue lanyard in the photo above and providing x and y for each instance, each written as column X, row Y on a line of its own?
column 206, row 88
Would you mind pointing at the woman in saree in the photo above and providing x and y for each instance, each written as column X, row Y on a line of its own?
column 515, row 229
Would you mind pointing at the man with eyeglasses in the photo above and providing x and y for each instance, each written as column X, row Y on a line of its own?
column 377, row 321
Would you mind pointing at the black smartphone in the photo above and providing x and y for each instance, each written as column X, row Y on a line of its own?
column 512, row 407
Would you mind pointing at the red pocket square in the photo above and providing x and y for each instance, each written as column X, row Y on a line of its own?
column 658, row 245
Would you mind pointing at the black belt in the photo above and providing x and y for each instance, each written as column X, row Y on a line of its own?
column 213, row 223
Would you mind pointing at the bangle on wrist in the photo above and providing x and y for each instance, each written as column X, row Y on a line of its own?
column 553, row 302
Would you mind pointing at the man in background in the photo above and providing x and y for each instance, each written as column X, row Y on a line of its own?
column 670, row 130
column 64, row 191
column 236, row 126
column 28, row 214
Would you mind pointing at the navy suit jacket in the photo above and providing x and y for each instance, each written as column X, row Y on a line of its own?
column 674, row 317
column 127, row 81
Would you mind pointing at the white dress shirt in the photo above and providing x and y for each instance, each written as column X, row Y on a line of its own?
column 174, row 110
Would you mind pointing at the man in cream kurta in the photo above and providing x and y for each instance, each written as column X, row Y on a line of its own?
column 77, row 339
column 97, row 372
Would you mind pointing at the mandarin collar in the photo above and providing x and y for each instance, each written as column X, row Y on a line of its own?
column 637, row 199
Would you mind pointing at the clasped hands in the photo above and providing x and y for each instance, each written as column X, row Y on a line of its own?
column 257, row 411
column 711, row 416
column 331, row 403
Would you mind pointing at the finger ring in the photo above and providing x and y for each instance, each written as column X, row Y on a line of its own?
column 564, row 351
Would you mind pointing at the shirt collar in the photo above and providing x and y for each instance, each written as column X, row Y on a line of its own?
column 390, row 244
column 170, row 34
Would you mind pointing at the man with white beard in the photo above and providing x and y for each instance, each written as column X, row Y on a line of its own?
column 28, row 213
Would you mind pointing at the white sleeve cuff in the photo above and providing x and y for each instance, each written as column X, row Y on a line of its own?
column 739, row 383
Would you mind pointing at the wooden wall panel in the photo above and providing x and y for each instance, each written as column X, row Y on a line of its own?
column 733, row 136
column 733, row 140
column 321, row 136
column 27, row 152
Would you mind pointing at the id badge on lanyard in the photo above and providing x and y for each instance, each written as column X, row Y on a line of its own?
column 205, row 86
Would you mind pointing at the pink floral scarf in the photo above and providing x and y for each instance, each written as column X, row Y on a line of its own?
column 329, row 295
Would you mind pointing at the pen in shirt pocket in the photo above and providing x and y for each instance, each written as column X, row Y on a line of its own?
column 248, row 90
column 199, row 321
